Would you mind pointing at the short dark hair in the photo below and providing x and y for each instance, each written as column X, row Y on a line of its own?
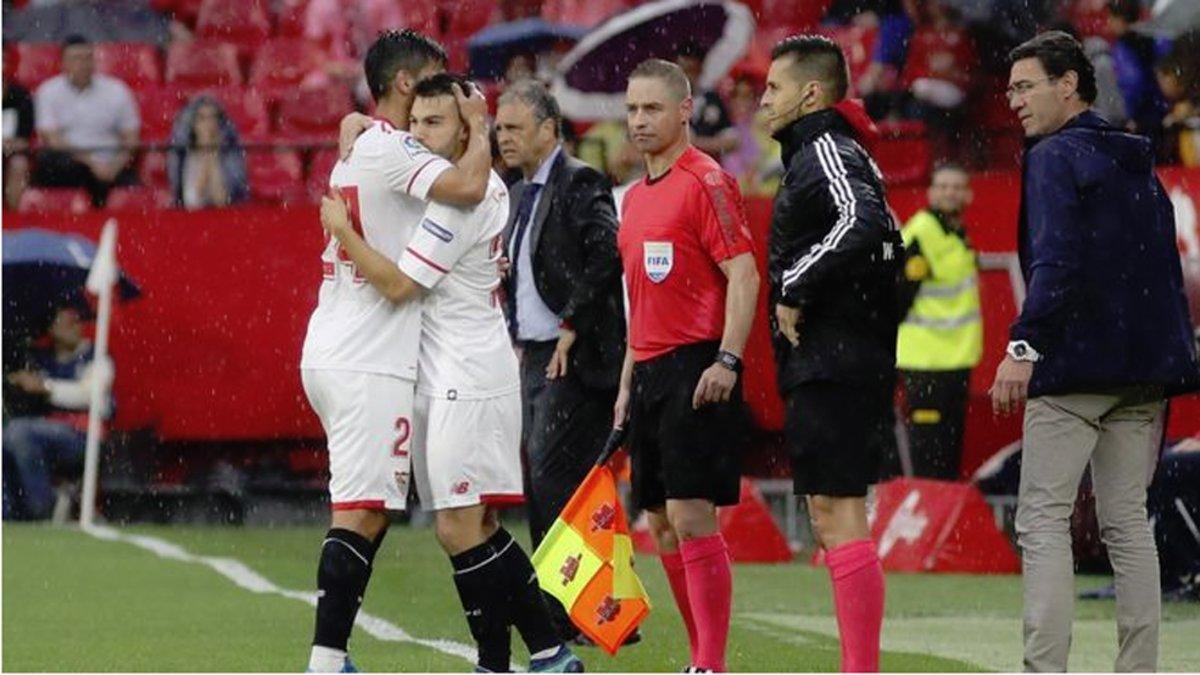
column 668, row 73
column 1059, row 53
column 820, row 58
column 441, row 84
column 539, row 99
column 75, row 39
column 1128, row 10
column 397, row 50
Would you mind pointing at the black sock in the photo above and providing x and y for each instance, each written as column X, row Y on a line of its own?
column 479, row 577
column 527, row 606
column 342, row 577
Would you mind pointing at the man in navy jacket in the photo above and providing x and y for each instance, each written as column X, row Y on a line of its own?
column 1102, row 341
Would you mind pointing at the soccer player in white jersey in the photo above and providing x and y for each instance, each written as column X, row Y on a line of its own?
column 467, row 431
column 359, row 363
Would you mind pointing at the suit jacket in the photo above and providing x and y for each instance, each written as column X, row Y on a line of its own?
column 576, row 267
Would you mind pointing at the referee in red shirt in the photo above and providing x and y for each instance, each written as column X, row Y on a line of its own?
column 688, row 258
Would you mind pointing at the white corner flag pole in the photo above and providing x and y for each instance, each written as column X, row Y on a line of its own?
column 100, row 282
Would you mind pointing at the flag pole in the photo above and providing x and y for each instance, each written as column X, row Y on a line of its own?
column 100, row 281
column 615, row 438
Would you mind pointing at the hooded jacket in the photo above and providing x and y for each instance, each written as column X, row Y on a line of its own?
column 1105, row 304
column 835, row 252
column 232, row 155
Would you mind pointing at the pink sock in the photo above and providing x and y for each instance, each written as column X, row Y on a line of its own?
column 710, row 590
column 673, row 565
column 858, row 592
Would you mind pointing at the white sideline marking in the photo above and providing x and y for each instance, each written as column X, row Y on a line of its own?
column 237, row 572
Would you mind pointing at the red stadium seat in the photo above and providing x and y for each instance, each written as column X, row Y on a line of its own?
column 289, row 20
column 153, row 171
column 319, row 169
column 55, row 201
column 244, row 23
column 158, row 106
column 134, row 63
column 203, row 64
column 903, row 154
column 312, row 115
column 283, row 63
column 276, row 176
column 468, row 17
column 39, row 61
column 141, row 198
column 184, row 11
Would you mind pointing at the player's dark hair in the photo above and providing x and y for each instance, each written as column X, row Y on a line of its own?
column 397, row 50
column 75, row 39
column 666, row 72
column 1059, row 53
column 441, row 84
column 816, row 57
column 539, row 99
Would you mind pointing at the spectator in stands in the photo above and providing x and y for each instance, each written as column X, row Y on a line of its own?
column 206, row 164
column 36, row 447
column 756, row 163
column 879, row 85
column 712, row 130
column 937, row 74
column 88, row 124
column 18, row 131
column 1133, row 58
column 1178, row 75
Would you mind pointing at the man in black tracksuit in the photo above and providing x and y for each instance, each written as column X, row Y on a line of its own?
column 834, row 265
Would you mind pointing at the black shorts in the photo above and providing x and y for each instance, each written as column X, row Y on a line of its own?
column 837, row 433
column 677, row 452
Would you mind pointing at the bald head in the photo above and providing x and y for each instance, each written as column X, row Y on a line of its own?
column 670, row 74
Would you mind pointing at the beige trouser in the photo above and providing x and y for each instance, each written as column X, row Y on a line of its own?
column 1120, row 435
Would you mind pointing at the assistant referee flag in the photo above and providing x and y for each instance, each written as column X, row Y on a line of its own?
column 586, row 560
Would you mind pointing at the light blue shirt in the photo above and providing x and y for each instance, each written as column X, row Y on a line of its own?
column 535, row 321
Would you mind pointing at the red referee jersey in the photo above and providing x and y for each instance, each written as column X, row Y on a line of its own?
column 675, row 231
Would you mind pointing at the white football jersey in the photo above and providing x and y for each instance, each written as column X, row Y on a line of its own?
column 385, row 182
column 466, row 352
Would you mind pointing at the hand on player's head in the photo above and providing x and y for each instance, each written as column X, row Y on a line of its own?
column 335, row 215
column 472, row 105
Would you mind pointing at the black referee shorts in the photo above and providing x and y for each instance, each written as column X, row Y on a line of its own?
column 677, row 452
column 837, row 433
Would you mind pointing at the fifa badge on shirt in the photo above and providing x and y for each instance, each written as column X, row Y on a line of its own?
column 658, row 258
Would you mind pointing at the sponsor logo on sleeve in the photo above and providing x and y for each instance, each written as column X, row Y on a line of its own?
column 437, row 230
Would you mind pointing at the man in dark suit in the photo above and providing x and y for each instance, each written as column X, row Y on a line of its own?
column 565, row 303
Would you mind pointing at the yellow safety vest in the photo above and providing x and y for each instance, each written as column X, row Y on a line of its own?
column 944, row 328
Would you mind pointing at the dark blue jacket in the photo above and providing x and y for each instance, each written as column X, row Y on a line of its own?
column 1105, row 304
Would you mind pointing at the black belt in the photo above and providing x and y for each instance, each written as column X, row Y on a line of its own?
column 535, row 345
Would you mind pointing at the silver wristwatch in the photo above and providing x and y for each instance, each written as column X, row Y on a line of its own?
column 1020, row 350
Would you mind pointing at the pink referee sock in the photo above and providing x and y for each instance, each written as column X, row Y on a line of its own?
column 673, row 565
column 710, row 590
column 858, row 591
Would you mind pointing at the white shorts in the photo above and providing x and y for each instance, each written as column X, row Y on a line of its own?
column 368, row 426
column 468, row 452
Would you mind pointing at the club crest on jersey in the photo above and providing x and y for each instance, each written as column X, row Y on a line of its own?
column 437, row 230
column 658, row 257
column 413, row 147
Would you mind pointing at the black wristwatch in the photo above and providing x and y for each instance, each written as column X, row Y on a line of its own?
column 730, row 360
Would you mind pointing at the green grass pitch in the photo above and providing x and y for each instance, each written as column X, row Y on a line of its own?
column 72, row 602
